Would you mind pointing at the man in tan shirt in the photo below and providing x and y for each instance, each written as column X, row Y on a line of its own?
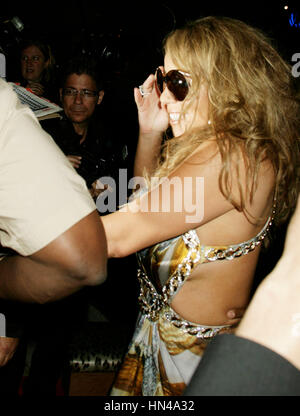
column 47, row 217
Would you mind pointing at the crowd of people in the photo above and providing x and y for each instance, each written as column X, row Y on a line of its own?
column 216, row 170
column 82, row 133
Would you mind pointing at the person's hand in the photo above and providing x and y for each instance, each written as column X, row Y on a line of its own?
column 75, row 160
column 97, row 188
column 152, row 117
column 36, row 88
column 8, row 347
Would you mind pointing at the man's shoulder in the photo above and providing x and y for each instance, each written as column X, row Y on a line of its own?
column 9, row 102
column 54, row 123
column 60, row 129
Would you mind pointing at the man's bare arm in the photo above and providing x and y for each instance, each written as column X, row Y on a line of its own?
column 75, row 259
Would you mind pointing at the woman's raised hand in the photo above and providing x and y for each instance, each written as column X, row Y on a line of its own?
column 153, row 118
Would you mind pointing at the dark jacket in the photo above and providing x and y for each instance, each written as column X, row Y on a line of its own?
column 235, row 366
column 102, row 154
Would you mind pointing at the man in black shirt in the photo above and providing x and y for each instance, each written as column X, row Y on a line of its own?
column 82, row 131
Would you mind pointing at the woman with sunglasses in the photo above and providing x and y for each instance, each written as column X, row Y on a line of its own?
column 227, row 174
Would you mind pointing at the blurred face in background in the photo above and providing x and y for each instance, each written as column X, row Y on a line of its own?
column 79, row 97
column 33, row 63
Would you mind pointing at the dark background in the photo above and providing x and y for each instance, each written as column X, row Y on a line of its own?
column 130, row 33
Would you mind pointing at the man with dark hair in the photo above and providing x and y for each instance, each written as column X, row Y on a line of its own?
column 82, row 131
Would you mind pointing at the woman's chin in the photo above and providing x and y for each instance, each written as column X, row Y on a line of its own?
column 177, row 130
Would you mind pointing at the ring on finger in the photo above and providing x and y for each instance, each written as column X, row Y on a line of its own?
column 143, row 93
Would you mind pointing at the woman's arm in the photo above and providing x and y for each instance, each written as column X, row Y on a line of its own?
column 147, row 153
column 153, row 121
column 188, row 198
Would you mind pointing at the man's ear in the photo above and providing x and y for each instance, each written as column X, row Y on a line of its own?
column 60, row 94
column 100, row 97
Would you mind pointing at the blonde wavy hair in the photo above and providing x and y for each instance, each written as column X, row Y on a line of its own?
column 252, row 107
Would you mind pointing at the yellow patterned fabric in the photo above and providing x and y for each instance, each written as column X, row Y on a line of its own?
column 166, row 349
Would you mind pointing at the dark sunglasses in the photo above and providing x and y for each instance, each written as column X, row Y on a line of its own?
column 175, row 81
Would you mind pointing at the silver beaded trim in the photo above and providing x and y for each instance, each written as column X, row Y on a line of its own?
column 152, row 303
column 201, row 332
column 239, row 250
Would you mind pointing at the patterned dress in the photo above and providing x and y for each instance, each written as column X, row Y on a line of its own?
column 166, row 349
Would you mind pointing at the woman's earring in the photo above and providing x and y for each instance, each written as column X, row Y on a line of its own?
column 209, row 122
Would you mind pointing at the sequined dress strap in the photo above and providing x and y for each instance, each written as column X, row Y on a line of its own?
column 237, row 250
column 155, row 305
